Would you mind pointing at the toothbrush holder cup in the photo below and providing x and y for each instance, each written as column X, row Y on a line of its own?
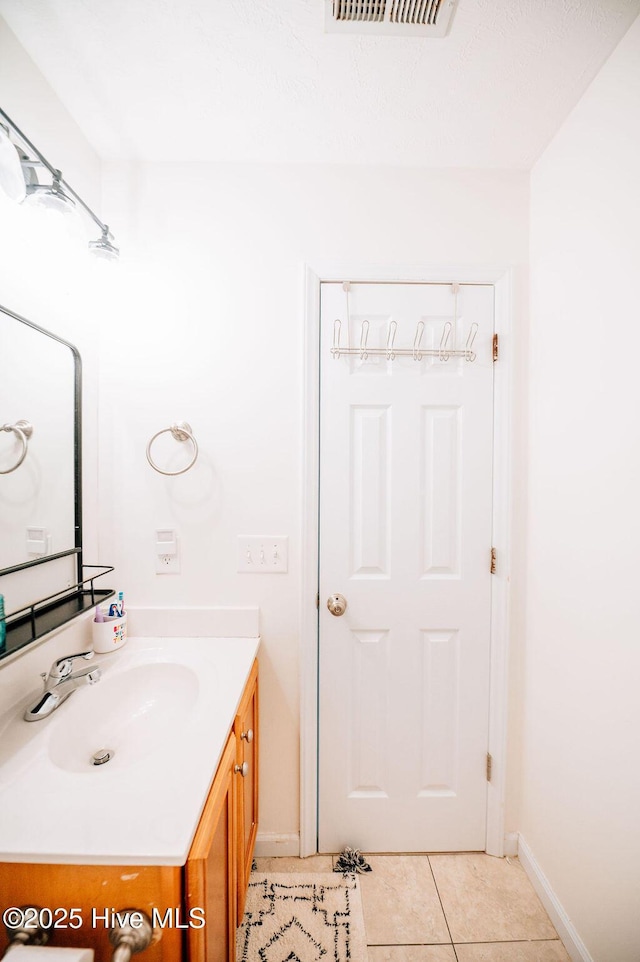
column 110, row 634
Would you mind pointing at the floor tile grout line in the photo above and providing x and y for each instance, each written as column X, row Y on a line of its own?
column 506, row 941
column 391, row 945
column 446, row 920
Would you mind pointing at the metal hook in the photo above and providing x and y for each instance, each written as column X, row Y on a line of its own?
column 443, row 350
column 469, row 354
column 417, row 356
column 391, row 336
column 363, row 341
column 335, row 350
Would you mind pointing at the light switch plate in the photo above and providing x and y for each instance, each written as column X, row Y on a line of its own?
column 263, row 554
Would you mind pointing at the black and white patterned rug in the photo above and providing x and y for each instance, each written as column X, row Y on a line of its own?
column 295, row 917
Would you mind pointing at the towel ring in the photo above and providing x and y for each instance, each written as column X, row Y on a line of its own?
column 181, row 431
column 23, row 431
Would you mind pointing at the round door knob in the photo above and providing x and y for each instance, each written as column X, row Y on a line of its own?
column 337, row 604
column 242, row 769
column 248, row 736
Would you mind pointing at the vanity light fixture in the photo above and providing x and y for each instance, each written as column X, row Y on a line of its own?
column 103, row 248
column 50, row 196
column 11, row 176
column 58, row 195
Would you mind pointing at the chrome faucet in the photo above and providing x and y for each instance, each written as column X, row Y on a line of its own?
column 61, row 681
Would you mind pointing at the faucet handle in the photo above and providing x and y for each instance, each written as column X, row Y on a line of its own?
column 62, row 667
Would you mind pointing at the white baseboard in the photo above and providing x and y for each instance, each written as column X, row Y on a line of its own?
column 563, row 924
column 271, row 845
column 510, row 846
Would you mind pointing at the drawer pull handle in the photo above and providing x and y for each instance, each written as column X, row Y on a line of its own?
column 248, row 736
column 242, row 769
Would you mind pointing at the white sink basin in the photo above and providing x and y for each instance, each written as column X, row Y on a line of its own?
column 132, row 714
column 164, row 707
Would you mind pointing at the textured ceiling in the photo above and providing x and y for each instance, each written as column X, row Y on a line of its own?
column 260, row 80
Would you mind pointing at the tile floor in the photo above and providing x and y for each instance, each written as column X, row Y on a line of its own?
column 446, row 908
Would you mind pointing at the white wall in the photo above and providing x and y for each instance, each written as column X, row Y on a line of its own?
column 212, row 275
column 581, row 766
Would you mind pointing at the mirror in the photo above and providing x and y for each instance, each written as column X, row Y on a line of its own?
column 41, row 567
column 37, row 490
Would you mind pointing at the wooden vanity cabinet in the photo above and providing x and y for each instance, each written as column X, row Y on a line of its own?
column 246, row 733
column 211, row 872
column 211, row 886
column 219, row 864
column 82, row 899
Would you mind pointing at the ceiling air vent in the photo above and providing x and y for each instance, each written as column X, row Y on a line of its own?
column 409, row 18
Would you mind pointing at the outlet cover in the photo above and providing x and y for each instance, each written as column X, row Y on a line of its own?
column 263, row 554
column 167, row 564
column 167, row 552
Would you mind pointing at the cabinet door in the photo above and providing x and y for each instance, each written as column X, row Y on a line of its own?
column 211, row 869
column 246, row 729
column 87, row 894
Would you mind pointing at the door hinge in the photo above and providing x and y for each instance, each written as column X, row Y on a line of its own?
column 318, row 600
column 492, row 568
column 489, row 766
column 495, row 347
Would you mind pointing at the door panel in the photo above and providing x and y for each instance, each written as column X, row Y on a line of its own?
column 405, row 534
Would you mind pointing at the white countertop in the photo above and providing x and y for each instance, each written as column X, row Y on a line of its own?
column 140, row 810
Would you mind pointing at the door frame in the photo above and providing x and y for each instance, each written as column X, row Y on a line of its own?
column 502, row 280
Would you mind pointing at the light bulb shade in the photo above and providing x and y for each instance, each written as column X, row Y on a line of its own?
column 103, row 248
column 11, row 177
column 50, row 197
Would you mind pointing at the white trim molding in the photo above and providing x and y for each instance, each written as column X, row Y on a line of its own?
column 561, row 921
column 309, row 572
column 501, row 541
column 510, row 847
column 501, row 279
column 272, row 845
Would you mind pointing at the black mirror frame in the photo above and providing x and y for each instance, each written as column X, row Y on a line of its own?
column 30, row 623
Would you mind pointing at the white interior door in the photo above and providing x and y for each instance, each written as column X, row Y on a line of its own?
column 405, row 537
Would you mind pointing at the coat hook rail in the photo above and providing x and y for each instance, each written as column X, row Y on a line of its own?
column 443, row 352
